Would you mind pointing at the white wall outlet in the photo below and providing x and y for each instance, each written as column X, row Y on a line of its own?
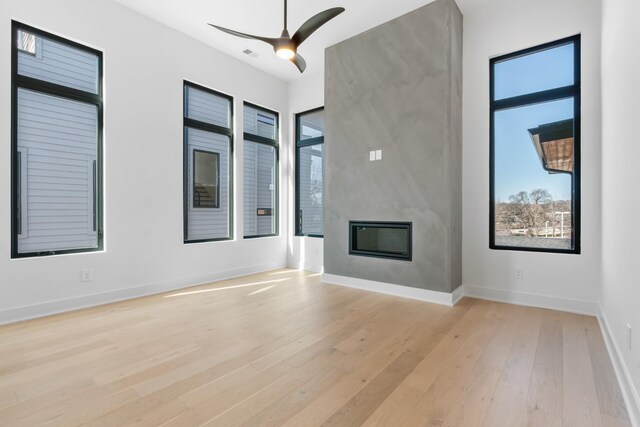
column 86, row 275
column 372, row 155
column 378, row 154
column 629, row 335
column 519, row 273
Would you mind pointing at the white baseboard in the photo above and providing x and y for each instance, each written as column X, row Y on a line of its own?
column 18, row 314
column 532, row 300
column 457, row 295
column 301, row 265
column 443, row 298
column 629, row 391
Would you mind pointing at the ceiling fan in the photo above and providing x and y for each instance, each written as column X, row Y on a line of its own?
column 285, row 46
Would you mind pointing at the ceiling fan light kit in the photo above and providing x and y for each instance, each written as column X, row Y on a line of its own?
column 285, row 46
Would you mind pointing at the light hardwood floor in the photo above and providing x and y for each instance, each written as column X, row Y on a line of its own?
column 280, row 348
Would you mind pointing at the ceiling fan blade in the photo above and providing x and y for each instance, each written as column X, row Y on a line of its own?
column 269, row 40
column 299, row 62
column 314, row 23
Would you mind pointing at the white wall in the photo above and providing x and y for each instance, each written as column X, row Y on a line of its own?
column 305, row 94
column 496, row 27
column 145, row 64
column 620, row 177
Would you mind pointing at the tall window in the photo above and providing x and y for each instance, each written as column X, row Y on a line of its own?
column 535, row 149
column 310, row 173
column 208, row 154
column 260, row 172
column 56, row 145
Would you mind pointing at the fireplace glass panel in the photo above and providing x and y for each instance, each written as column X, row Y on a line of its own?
column 380, row 239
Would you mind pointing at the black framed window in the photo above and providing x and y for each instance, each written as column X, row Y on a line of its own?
column 56, row 161
column 208, row 165
column 535, row 149
column 260, row 175
column 309, row 205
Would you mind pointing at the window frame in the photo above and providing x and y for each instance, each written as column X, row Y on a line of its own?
column 298, row 145
column 548, row 95
column 187, row 181
column 68, row 93
column 272, row 143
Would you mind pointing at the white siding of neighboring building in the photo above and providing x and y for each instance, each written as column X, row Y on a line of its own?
column 60, row 64
column 266, row 188
column 259, row 172
column 208, row 108
column 249, row 164
column 259, row 188
column 208, row 223
column 256, row 127
column 57, row 139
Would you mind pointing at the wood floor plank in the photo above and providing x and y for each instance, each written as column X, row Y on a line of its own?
column 538, row 418
column 546, row 389
column 471, row 408
column 362, row 405
column 508, row 408
column 445, row 390
column 608, row 421
column 420, row 336
column 280, row 348
column 609, row 393
column 580, row 398
column 517, row 370
column 396, row 409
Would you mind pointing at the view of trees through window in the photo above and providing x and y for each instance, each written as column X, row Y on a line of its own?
column 535, row 169
column 534, row 214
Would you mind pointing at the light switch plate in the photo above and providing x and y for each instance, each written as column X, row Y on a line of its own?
column 372, row 156
column 378, row 154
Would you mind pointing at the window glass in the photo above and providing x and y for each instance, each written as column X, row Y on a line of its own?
column 534, row 144
column 260, row 168
column 309, row 208
column 311, row 125
column 208, row 165
column 57, row 142
column 310, row 189
column 43, row 58
column 259, row 122
column 260, row 163
column 205, row 179
column 546, row 69
column 26, row 42
column 207, row 107
column 534, row 158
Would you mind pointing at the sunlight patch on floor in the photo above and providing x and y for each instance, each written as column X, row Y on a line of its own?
column 259, row 291
column 202, row 291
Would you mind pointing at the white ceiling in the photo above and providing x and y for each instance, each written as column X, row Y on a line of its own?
column 265, row 18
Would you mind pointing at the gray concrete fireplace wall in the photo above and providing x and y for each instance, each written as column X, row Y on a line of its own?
column 397, row 88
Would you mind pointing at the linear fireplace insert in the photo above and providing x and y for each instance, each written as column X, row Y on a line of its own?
column 380, row 239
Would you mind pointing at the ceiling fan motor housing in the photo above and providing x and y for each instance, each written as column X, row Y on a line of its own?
column 284, row 43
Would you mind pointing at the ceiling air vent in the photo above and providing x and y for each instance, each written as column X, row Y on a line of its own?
column 250, row 53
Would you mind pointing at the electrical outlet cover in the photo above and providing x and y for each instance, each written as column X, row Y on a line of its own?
column 519, row 274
